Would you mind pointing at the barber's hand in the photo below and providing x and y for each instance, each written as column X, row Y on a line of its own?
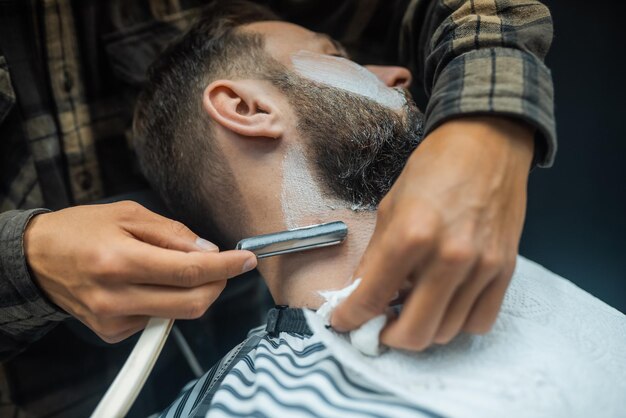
column 112, row 266
column 449, row 231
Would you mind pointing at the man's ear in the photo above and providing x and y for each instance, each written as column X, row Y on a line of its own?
column 244, row 107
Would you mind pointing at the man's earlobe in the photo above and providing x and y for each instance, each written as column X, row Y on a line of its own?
column 243, row 107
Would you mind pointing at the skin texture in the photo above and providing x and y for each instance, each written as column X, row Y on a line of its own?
column 114, row 265
column 445, row 236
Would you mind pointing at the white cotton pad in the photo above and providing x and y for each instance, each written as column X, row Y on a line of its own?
column 332, row 298
column 366, row 338
column 554, row 352
column 344, row 74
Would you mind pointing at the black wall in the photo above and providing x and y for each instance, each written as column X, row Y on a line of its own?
column 576, row 221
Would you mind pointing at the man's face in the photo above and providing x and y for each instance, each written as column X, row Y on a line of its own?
column 357, row 131
column 300, row 49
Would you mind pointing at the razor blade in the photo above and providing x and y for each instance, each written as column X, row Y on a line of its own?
column 295, row 240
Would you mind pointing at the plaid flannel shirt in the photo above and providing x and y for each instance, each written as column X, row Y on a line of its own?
column 69, row 72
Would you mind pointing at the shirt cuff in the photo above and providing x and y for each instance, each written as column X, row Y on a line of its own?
column 498, row 81
column 23, row 306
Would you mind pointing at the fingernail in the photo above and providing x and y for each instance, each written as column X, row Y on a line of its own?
column 249, row 264
column 206, row 245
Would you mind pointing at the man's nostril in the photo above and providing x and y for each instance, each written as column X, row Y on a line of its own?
column 402, row 82
column 392, row 76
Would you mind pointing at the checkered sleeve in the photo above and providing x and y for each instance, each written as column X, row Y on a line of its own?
column 484, row 57
column 25, row 313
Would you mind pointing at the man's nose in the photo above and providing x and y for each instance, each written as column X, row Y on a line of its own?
column 392, row 76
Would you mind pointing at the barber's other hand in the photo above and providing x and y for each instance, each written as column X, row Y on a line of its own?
column 112, row 266
column 448, row 230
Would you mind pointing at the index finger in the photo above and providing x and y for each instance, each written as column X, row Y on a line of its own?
column 160, row 231
column 148, row 264
column 385, row 266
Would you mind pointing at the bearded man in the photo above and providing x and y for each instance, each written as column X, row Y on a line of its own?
column 251, row 125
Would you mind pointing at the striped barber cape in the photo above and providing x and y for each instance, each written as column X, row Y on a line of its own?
column 283, row 370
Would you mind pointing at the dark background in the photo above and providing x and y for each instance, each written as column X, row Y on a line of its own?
column 576, row 220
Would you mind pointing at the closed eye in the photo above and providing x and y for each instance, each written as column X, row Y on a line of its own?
column 336, row 45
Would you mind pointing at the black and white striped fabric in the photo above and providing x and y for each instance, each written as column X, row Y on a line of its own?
column 286, row 374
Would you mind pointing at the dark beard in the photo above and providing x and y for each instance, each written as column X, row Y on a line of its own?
column 358, row 146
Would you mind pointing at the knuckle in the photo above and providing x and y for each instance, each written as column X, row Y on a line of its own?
column 210, row 295
column 104, row 263
column 216, row 289
column 107, row 331
column 130, row 212
column 370, row 306
column 342, row 319
column 207, row 294
column 106, row 338
column 197, row 308
column 492, row 261
column 357, row 313
column 111, row 337
column 419, row 235
column 457, row 252
column 190, row 275
column 130, row 207
column 178, row 228
column 100, row 305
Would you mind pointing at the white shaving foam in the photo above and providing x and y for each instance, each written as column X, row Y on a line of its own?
column 301, row 195
column 344, row 74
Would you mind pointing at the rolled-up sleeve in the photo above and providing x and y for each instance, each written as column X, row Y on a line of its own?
column 484, row 57
column 25, row 313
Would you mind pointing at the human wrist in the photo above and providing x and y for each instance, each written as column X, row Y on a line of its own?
column 509, row 139
column 31, row 242
column 23, row 297
column 493, row 94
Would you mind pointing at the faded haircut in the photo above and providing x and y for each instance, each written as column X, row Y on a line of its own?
column 172, row 135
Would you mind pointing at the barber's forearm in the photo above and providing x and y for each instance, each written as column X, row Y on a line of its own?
column 25, row 314
column 485, row 57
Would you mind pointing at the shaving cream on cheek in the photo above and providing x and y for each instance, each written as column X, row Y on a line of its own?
column 301, row 197
column 346, row 75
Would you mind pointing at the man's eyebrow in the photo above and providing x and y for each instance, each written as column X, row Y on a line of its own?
column 336, row 44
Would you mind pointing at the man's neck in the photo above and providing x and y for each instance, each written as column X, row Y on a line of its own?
column 296, row 279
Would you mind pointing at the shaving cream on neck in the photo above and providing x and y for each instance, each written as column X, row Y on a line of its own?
column 344, row 74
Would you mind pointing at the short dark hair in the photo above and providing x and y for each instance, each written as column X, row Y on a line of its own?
column 169, row 125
